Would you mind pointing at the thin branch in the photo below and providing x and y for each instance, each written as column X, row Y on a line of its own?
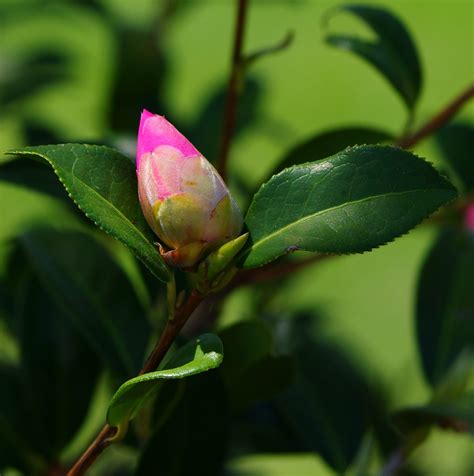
column 233, row 90
column 103, row 439
column 437, row 121
column 275, row 271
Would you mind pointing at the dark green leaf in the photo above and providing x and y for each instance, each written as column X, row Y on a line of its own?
column 28, row 75
column 393, row 54
column 457, row 415
column 58, row 368
column 194, row 437
column 103, row 184
column 456, row 142
column 445, row 306
column 250, row 371
column 353, row 201
column 16, row 447
column 328, row 143
column 332, row 404
column 200, row 355
column 93, row 292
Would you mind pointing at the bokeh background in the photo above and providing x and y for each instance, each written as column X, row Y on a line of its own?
column 82, row 70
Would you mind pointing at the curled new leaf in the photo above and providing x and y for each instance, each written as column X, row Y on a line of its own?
column 201, row 354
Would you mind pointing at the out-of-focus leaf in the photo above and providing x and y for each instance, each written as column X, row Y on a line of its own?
column 445, row 304
column 26, row 76
column 138, row 82
column 59, row 369
column 205, row 131
column 457, row 415
column 332, row 404
column 456, row 142
column 200, row 355
column 103, row 184
column 328, row 143
column 297, row 464
column 353, row 201
column 194, row 437
column 93, row 292
column 16, row 448
column 250, row 370
column 393, row 54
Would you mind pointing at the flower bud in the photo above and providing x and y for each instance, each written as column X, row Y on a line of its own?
column 183, row 198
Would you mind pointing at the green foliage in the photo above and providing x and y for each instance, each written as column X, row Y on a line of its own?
column 103, row 184
column 354, row 201
column 194, row 437
column 456, row 415
column 199, row 355
column 445, row 305
column 332, row 404
column 456, row 142
column 91, row 291
column 394, row 53
column 324, row 144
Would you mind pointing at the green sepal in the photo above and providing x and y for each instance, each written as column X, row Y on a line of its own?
column 216, row 271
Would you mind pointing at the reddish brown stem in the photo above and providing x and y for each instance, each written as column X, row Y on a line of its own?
column 233, row 90
column 102, row 441
column 437, row 121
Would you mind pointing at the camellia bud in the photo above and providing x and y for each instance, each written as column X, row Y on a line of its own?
column 183, row 198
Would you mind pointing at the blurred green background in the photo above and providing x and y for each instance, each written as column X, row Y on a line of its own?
column 367, row 301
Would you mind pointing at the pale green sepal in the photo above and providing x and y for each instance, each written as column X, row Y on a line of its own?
column 216, row 266
column 221, row 258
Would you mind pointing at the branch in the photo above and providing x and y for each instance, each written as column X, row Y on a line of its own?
column 438, row 120
column 233, row 90
column 102, row 441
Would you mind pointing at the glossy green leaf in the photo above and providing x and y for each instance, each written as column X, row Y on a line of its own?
column 456, row 142
column 328, row 143
column 201, row 354
column 353, row 201
column 103, row 184
column 193, row 437
column 456, row 414
column 393, row 53
column 92, row 292
column 445, row 304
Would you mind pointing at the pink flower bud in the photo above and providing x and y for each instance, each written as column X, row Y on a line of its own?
column 183, row 198
column 469, row 217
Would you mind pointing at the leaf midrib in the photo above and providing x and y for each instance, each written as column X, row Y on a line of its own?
column 327, row 210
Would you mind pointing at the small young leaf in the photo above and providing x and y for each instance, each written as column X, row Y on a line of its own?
column 103, row 184
column 457, row 415
column 328, row 143
column 354, row 201
column 394, row 54
column 199, row 355
column 445, row 306
column 456, row 142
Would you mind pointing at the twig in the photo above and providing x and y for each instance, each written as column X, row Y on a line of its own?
column 233, row 90
column 275, row 271
column 102, row 441
column 437, row 121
